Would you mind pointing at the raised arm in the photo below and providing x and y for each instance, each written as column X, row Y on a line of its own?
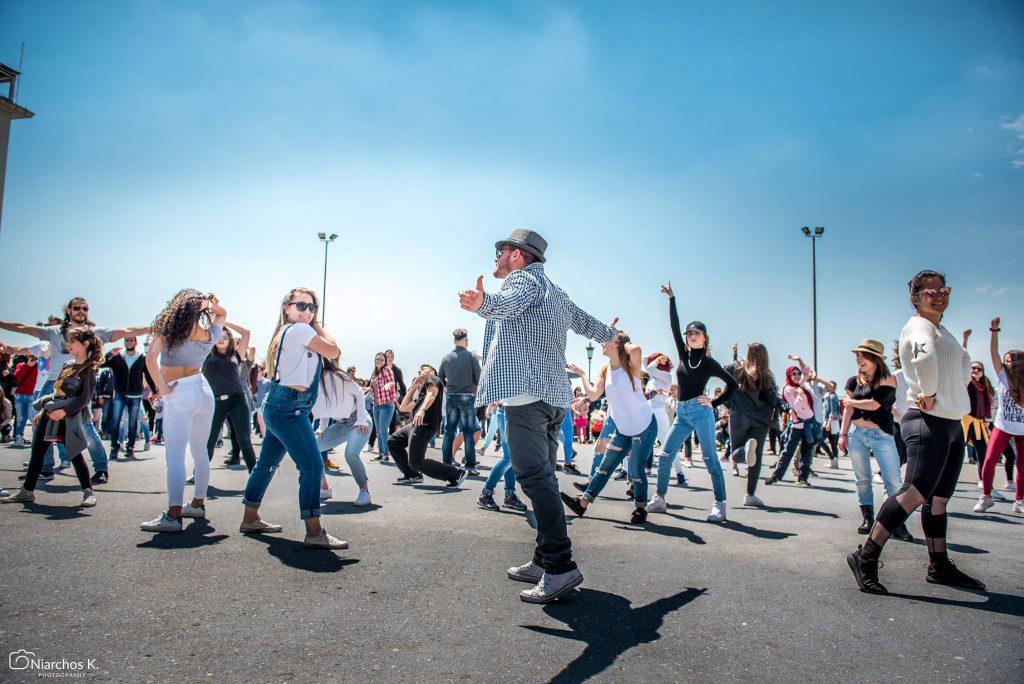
column 586, row 325
column 120, row 333
column 323, row 343
column 593, row 392
column 22, row 328
column 519, row 292
column 673, row 319
column 993, row 346
column 245, row 335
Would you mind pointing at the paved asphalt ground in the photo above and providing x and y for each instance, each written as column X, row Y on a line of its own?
column 421, row 595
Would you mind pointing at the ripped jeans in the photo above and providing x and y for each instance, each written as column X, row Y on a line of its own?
column 640, row 447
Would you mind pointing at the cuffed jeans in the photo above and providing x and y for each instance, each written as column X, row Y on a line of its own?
column 382, row 415
column 637, row 448
column 533, row 436
column 459, row 416
column 503, row 466
column 286, row 415
column 120, row 403
column 345, row 432
column 795, row 439
column 691, row 416
column 862, row 443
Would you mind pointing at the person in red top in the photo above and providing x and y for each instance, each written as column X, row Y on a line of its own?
column 25, row 375
column 385, row 393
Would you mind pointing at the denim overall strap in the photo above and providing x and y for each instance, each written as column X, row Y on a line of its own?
column 277, row 361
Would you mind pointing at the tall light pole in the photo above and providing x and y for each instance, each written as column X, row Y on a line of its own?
column 818, row 232
column 327, row 240
column 590, row 356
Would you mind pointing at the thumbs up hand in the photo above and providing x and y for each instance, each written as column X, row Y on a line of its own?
column 472, row 300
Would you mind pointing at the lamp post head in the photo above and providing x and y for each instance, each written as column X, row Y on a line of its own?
column 590, row 351
column 334, row 236
column 806, row 230
column 322, row 236
column 820, row 230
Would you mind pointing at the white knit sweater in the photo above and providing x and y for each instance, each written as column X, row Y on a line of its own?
column 934, row 364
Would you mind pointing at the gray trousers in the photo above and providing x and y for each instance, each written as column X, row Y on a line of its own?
column 534, row 432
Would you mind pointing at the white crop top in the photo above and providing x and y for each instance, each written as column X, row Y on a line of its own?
column 296, row 365
column 627, row 406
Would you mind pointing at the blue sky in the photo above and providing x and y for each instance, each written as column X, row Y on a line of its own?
column 205, row 145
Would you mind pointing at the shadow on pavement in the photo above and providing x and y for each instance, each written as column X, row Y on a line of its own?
column 1004, row 604
column 739, row 527
column 213, row 492
column 797, row 511
column 55, row 512
column 977, row 516
column 959, row 548
column 193, row 536
column 666, row 531
column 346, row 507
column 609, row 626
column 293, row 554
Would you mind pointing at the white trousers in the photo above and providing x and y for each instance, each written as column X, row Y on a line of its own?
column 188, row 413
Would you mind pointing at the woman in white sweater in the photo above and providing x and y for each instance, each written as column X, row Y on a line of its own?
column 937, row 369
column 341, row 409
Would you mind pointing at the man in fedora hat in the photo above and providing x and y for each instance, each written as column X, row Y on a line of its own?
column 524, row 369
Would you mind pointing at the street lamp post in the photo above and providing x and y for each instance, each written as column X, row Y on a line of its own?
column 590, row 356
column 327, row 240
column 815, row 235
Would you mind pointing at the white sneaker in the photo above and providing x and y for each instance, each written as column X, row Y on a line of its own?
column 191, row 479
column 161, row 524
column 980, row 485
column 323, row 541
column 20, row 496
column 88, row 499
column 19, row 442
column 363, row 499
column 531, row 572
column 751, row 500
column 1018, row 507
column 657, row 505
column 145, row 447
column 984, row 503
column 750, row 451
column 834, row 463
column 1010, row 487
column 326, row 494
column 550, row 587
column 190, row 511
column 717, row 513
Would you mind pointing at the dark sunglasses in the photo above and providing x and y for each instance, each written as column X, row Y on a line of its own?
column 501, row 250
column 305, row 306
column 78, row 307
column 977, row 370
column 933, row 293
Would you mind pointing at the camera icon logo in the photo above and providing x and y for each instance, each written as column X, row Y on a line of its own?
column 20, row 659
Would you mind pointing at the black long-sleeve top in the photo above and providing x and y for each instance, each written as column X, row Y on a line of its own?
column 695, row 367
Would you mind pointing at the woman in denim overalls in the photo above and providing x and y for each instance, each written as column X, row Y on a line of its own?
column 297, row 341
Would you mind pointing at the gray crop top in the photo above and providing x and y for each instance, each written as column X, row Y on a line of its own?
column 190, row 352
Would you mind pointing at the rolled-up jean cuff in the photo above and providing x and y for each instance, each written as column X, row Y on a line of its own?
column 251, row 504
column 587, row 496
column 313, row 513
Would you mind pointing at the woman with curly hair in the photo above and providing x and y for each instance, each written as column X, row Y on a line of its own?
column 64, row 415
column 184, row 333
column 294, row 363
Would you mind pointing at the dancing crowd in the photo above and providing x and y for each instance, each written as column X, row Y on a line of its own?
column 907, row 421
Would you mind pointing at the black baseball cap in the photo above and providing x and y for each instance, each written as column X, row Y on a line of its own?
column 696, row 326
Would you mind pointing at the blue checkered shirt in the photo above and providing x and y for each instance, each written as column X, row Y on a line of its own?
column 524, row 340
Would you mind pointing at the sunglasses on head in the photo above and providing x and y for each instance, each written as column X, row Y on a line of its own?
column 932, row 293
column 79, row 307
column 305, row 306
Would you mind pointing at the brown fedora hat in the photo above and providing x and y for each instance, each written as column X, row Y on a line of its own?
column 873, row 347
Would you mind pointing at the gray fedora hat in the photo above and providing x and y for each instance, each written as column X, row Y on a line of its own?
column 526, row 240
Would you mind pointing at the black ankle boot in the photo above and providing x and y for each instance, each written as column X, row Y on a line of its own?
column 866, row 573
column 903, row 534
column 869, row 519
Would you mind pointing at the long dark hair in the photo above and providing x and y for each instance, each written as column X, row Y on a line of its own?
column 179, row 318
column 985, row 382
column 880, row 374
column 332, row 371
column 66, row 324
column 232, row 349
column 376, row 371
column 622, row 339
column 755, row 373
column 93, row 346
column 1015, row 376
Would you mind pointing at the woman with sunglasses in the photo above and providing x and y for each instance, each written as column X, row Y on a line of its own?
column 800, row 428
column 184, row 334
column 385, row 394
column 695, row 413
column 1009, row 423
column 936, row 368
column 294, row 362
column 867, row 430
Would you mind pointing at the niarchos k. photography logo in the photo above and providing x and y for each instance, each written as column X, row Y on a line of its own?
column 24, row 660
column 20, row 659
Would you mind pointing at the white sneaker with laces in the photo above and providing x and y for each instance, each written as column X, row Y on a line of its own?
column 550, row 587
column 326, row 494
column 363, row 499
column 1018, row 507
column 984, row 503
column 531, row 572
column 190, row 511
column 750, row 452
column 324, row 541
column 88, row 499
column 657, row 505
column 751, row 500
column 717, row 513
column 162, row 524
column 20, row 496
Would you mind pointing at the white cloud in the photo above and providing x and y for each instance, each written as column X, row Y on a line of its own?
column 984, row 288
column 1001, row 291
column 1017, row 126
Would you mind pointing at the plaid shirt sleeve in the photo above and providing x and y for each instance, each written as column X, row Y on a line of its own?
column 381, row 393
column 586, row 325
column 519, row 292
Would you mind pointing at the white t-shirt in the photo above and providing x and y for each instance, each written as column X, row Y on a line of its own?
column 297, row 363
column 902, row 404
column 339, row 399
column 1009, row 415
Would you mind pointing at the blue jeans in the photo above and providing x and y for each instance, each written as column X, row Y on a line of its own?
column 121, row 402
column 286, row 415
column 567, row 437
column 692, row 417
column 607, row 432
column 638, row 448
column 863, row 443
column 503, row 466
column 382, row 414
column 344, row 431
column 459, row 416
column 23, row 409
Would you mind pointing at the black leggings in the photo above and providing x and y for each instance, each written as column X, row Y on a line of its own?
column 935, row 448
column 39, row 449
column 236, row 410
column 742, row 429
column 408, row 445
column 901, row 447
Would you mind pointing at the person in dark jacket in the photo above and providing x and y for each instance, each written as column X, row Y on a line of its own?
column 752, row 410
column 129, row 370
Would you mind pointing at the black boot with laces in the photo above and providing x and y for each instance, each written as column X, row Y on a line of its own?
column 866, row 573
